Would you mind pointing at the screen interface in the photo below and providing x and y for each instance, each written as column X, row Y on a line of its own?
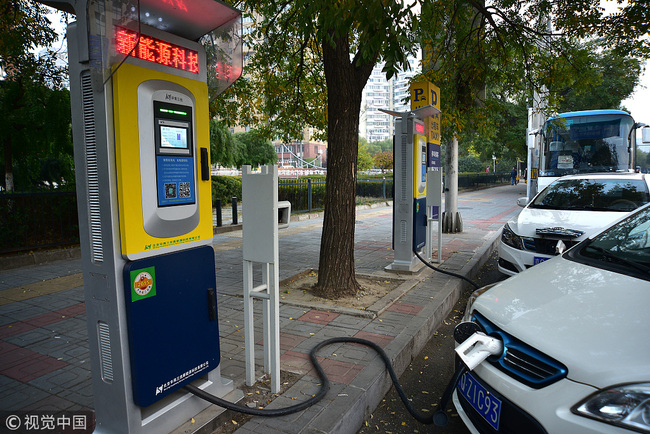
column 173, row 137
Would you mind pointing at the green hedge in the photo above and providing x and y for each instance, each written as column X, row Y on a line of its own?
column 225, row 188
column 36, row 220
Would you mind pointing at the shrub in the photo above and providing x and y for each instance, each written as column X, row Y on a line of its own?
column 225, row 188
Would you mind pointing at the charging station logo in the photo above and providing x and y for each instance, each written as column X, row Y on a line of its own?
column 143, row 283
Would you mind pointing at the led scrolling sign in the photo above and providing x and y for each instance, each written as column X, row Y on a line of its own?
column 155, row 50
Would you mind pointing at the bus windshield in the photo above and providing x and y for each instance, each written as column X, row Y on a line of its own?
column 583, row 142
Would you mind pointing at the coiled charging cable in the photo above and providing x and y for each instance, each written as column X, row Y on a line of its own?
column 439, row 418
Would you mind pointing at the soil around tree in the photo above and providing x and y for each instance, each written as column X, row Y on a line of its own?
column 301, row 288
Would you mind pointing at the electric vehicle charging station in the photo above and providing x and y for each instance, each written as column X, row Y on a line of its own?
column 417, row 193
column 423, row 93
column 410, row 184
column 139, row 97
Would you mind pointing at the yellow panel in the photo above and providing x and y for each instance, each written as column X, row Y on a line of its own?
column 134, row 239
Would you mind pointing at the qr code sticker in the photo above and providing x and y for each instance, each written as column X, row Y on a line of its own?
column 170, row 190
column 184, row 189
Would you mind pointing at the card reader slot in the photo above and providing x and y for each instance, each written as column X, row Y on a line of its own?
column 205, row 165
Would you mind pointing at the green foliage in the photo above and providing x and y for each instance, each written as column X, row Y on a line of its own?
column 364, row 160
column 470, row 163
column 34, row 106
column 285, row 88
column 24, row 27
column 225, row 188
column 615, row 77
column 236, row 150
column 254, row 149
column 384, row 160
column 223, row 149
column 471, row 49
column 37, row 140
column 377, row 147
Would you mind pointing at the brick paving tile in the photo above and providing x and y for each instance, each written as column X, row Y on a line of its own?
column 52, row 403
column 338, row 371
column 287, row 341
column 74, row 310
column 295, row 362
column 15, row 328
column 381, row 340
column 411, row 309
column 318, row 317
column 45, row 319
column 25, row 365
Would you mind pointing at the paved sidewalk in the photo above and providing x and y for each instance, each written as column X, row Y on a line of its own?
column 44, row 357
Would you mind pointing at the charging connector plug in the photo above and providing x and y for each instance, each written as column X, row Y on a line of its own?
column 478, row 347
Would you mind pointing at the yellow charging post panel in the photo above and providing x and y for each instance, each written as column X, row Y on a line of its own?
column 162, row 154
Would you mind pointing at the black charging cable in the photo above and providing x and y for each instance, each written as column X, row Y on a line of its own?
column 439, row 417
column 440, row 270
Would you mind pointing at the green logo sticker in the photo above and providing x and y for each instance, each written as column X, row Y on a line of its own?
column 143, row 283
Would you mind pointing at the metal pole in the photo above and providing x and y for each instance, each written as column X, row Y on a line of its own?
column 309, row 191
column 218, row 210
column 234, row 210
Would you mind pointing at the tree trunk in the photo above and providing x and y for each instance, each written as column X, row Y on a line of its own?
column 451, row 219
column 345, row 83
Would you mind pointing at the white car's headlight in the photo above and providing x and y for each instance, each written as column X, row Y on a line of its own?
column 627, row 406
column 510, row 238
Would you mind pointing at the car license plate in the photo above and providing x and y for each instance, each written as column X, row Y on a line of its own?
column 485, row 404
column 539, row 260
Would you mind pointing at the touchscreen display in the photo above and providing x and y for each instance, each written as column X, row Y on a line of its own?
column 173, row 137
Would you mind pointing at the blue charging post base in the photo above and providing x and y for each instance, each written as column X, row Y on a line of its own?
column 173, row 326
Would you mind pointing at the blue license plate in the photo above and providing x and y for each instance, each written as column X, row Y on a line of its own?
column 485, row 404
column 539, row 260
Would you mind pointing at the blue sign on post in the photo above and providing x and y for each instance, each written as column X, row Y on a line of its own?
column 433, row 156
column 175, row 177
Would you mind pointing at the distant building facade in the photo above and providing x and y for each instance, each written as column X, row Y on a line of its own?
column 301, row 154
column 380, row 93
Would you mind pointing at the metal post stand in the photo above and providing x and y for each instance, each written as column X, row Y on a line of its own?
column 260, row 245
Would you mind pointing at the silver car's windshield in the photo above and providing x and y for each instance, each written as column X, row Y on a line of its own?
column 626, row 245
column 593, row 195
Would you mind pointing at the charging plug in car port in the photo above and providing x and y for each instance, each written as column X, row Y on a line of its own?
column 478, row 347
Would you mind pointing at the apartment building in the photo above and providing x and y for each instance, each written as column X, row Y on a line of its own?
column 380, row 93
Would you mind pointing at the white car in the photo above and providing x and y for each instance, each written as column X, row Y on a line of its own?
column 567, row 212
column 573, row 353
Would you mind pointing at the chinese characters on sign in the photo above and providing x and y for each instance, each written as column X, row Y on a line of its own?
column 226, row 72
column 155, row 50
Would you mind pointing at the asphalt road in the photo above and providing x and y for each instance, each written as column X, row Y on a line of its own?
column 425, row 379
